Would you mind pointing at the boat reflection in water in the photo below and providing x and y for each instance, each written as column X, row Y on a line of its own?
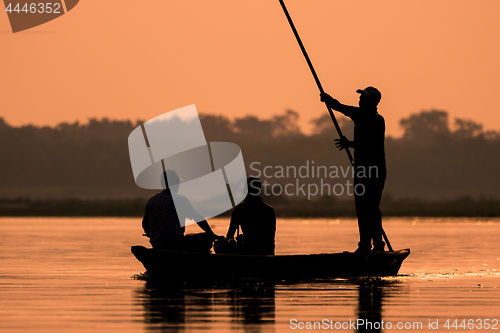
column 195, row 306
column 251, row 306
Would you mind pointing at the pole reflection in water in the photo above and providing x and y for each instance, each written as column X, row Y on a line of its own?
column 182, row 306
column 372, row 294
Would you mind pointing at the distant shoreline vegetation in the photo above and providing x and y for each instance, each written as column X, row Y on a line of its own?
column 463, row 207
column 436, row 161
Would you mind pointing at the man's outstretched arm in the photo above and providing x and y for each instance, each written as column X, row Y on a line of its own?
column 205, row 227
column 233, row 224
column 348, row 111
column 191, row 213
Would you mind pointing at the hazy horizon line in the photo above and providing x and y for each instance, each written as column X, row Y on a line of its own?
column 305, row 130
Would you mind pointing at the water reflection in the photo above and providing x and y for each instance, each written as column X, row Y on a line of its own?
column 175, row 307
column 251, row 307
column 340, row 304
column 370, row 297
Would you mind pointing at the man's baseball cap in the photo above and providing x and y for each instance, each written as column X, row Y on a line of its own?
column 371, row 92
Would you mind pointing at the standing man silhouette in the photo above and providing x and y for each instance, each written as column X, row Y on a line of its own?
column 369, row 162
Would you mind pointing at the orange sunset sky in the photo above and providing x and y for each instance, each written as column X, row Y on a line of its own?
column 125, row 59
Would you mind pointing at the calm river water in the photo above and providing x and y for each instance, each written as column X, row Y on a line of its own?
column 77, row 275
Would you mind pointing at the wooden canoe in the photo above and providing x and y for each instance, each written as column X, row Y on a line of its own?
column 191, row 265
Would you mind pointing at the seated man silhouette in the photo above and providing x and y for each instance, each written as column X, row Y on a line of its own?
column 369, row 162
column 257, row 220
column 161, row 222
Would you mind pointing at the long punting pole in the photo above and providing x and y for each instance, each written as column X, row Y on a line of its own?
column 320, row 87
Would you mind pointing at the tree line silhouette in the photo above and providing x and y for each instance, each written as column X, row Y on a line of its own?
column 432, row 160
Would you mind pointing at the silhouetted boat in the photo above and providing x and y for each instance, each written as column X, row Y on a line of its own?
column 191, row 265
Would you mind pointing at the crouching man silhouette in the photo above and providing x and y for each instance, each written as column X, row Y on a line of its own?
column 161, row 222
